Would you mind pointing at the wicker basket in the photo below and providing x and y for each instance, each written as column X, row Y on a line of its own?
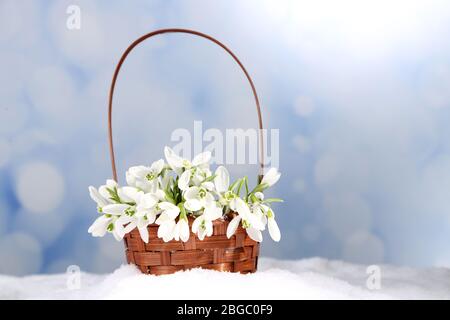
column 237, row 254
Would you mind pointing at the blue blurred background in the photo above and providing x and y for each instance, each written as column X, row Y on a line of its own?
column 359, row 89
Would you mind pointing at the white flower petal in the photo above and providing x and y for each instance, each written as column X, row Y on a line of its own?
column 232, row 226
column 97, row 197
column 162, row 219
column 171, row 210
column 274, row 231
column 174, row 161
column 143, row 231
column 117, row 236
column 160, row 195
column 222, row 179
column 104, row 192
column 259, row 196
column 202, row 158
column 148, row 200
column 167, row 230
column 201, row 233
column 254, row 234
column 208, row 200
column 157, row 166
column 196, row 224
column 208, row 185
column 212, row 212
column 191, row 193
column 124, row 220
column 130, row 227
column 183, row 181
column 193, row 205
column 100, row 226
column 209, row 228
column 131, row 180
column 271, row 177
column 151, row 217
column 184, row 230
column 129, row 194
column 119, row 229
column 239, row 205
column 115, row 209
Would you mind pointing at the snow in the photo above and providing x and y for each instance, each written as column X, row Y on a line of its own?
column 313, row 278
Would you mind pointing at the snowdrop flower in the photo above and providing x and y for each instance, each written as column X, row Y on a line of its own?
column 197, row 198
column 249, row 221
column 102, row 196
column 119, row 212
column 145, row 178
column 221, row 179
column 105, row 190
column 272, row 225
column 144, row 214
column 181, row 230
column 221, row 185
column 266, row 215
column 195, row 171
column 166, row 220
column 271, row 177
column 98, row 198
column 259, row 209
column 110, row 221
column 100, row 226
column 203, row 225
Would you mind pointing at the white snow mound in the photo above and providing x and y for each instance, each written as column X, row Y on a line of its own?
column 314, row 278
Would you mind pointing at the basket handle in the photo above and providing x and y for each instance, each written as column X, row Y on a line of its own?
column 199, row 34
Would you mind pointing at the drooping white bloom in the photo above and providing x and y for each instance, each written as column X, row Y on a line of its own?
column 203, row 224
column 105, row 189
column 181, row 230
column 117, row 211
column 271, row 177
column 109, row 221
column 102, row 196
column 222, row 179
column 197, row 198
column 189, row 172
column 272, row 225
column 249, row 221
column 166, row 220
column 100, row 226
column 98, row 198
column 221, row 185
column 259, row 209
column 145, row 214
column 145, row 178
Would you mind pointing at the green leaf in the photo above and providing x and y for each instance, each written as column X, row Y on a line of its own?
column 210, row 178
column 169, row 196
column 260, row 187
column 270, row 200
column 114, row 195
column 241, row 183
column 183, row 213
column 234, row 184
column 246, row 188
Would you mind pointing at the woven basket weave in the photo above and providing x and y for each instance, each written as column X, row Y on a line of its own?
column 237, row 254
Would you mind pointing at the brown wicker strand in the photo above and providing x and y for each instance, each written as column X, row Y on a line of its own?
column 216, row 252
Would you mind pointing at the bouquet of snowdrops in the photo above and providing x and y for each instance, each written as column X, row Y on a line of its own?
column 168, row 193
